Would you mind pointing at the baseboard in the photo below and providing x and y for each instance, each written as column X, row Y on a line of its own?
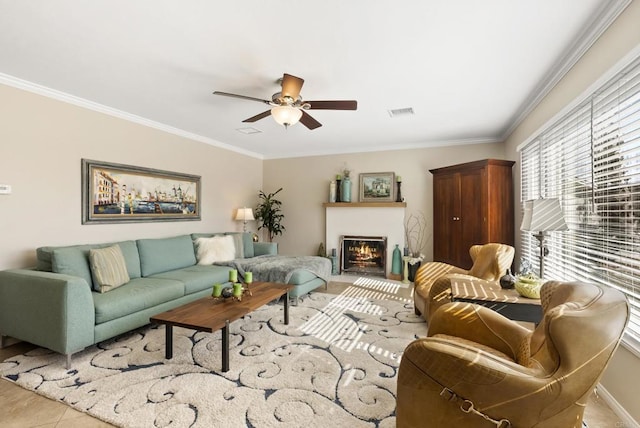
column 8, row 341
column 625, row 417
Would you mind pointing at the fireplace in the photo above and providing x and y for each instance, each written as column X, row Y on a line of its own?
column 363, row 255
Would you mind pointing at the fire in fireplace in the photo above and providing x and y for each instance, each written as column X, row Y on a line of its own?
column 363, row 255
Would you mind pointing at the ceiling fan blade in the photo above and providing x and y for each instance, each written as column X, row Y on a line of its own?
column 243, row 97
column 308, row 121
column 333, row 105
column 291, row 86
column 257, row 117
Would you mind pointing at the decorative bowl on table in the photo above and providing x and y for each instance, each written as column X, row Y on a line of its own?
column 529, row 285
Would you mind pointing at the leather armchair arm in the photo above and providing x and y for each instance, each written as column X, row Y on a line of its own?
column 430, row 271
column 497, row 387
column 479, row 324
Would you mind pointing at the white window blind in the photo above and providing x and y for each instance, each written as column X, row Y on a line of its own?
column 590, row 160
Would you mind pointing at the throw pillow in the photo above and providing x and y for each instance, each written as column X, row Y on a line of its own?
column 237, row 242
column 108, row 268
column 215, row 249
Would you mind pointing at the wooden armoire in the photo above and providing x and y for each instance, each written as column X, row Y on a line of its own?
column 472, row 204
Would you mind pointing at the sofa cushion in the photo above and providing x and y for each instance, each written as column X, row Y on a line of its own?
column 197, row 278
column 165, row 254
column 238, row 245
column 300, row 276
column 74, row 260
column 247, row 243
column 134, row 296
column 220, row 248
column 108, row 267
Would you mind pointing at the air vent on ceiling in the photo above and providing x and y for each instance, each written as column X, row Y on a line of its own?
column 401, row 112
column 249, row 130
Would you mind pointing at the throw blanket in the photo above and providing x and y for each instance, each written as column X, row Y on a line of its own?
column 277, row 268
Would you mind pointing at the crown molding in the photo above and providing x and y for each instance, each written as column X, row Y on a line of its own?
column 616, row 69
column 600, row 21
column 389, row 148
column 90, row 105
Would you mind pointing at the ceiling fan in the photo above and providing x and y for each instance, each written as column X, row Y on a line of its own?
column 288, row 106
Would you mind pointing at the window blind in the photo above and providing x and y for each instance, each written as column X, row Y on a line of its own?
column 590, row 160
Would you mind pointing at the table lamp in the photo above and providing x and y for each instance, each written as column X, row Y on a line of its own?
column 543, row 216
column 244, row 215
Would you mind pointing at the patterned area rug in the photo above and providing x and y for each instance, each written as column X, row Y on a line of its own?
column 335, row 364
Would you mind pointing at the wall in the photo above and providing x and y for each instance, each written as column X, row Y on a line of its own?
column 305, row 182
column 43, row 141
column 622, row 378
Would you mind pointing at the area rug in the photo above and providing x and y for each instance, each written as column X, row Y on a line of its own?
column 335, row 364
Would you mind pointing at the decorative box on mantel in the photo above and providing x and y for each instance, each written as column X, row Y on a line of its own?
column 365, row 219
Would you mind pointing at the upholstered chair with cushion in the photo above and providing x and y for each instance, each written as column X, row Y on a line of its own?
column 477, row 366
column 490, row 263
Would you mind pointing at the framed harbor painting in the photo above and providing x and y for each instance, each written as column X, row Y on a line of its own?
column 114, row 193
column 376, row 186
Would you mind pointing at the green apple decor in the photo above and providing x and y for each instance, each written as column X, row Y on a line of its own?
column 529, row 285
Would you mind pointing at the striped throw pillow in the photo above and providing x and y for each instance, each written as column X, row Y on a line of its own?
column 108, row 268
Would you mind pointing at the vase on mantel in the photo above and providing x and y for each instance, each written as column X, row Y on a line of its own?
column 332, row 191
column 345, row 190
column 399, row 191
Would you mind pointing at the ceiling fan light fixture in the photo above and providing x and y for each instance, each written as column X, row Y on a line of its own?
column 286, row 115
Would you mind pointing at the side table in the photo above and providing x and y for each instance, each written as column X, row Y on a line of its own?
column 405, row 263
column 487, row 293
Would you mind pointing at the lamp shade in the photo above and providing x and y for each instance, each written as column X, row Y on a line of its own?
column 543, row 215
column 286, row 115
column 244, row 214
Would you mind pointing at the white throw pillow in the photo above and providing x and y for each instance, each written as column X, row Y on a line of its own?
column 215, row 249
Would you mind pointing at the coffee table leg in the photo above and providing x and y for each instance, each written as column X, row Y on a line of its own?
column 286, row 308
column 168, row 341
column 225, row 346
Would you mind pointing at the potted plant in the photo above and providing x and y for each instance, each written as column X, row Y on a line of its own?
column 268, row 214
column 415, row 232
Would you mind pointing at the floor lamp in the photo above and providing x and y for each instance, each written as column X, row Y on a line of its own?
column 542, row 216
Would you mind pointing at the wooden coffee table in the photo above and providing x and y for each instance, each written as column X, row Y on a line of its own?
column 209, row 314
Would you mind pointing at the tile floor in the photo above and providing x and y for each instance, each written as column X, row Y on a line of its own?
column 24, row 409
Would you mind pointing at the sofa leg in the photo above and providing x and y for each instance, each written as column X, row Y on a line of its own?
column 67, row 364
column 415, row 309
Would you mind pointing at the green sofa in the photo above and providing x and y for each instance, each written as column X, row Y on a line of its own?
column 55, row 306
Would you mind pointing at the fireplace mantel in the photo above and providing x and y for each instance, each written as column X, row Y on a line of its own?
column 365, row 204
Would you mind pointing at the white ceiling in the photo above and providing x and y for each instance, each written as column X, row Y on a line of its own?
column 470, row 69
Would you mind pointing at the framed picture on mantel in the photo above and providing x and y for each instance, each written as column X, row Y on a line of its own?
column 376, row 186
column 116, row 193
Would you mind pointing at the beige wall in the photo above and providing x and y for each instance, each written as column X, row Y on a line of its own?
column 43, row 141
column 305, row 182
column 622, row 378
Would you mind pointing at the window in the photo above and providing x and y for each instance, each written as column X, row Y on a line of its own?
column 590, row 160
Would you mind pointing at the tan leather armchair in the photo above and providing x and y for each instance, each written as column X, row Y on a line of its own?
column 490, row 263
column 477, row 360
